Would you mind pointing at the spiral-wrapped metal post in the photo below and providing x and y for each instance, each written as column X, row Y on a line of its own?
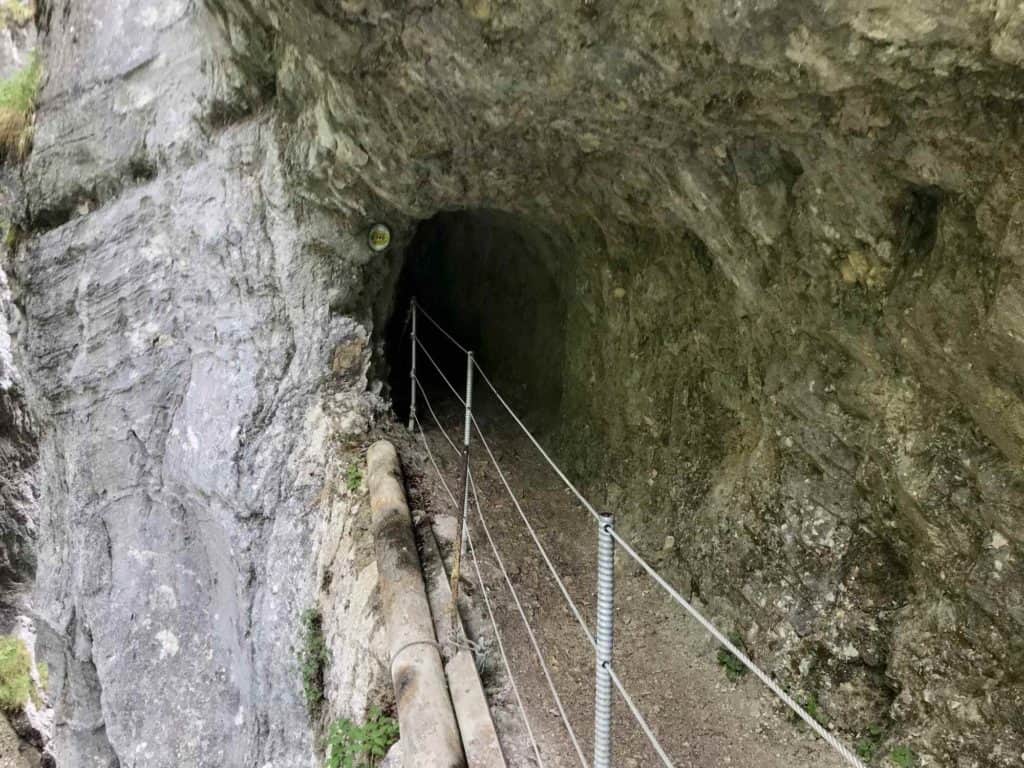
column 412, row 373
column 603, row 642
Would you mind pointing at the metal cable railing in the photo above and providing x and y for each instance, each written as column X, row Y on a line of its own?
column 508, row 581
column 529, row 629
column 483, row 591
column 601, row 642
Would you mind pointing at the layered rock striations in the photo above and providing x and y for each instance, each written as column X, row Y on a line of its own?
column 791, row 263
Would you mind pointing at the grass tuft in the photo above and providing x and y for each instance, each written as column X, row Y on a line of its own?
column 15, row 14
column 313, row 659
column 15, row 674
column 17, row 108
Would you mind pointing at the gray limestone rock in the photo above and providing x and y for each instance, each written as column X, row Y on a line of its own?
column 785, row 242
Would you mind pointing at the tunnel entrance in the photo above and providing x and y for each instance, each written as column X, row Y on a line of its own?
column 490, row 278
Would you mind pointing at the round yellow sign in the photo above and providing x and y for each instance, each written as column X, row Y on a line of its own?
column 379, row 238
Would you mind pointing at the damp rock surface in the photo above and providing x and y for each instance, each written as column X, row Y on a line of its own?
column 789, row 294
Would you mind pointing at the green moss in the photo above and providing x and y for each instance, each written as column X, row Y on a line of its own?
column 44, row 675
column 313, row 659
column 903, row 756
column 15, row 674
column 354, row 478
column 17, row 107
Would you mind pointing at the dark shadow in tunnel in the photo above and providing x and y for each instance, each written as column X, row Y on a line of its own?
column 490, row 278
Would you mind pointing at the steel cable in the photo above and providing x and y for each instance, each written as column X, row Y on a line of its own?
column 568, row 483
column 786, row 699
column 433, row 322
column 437, row 368
column 501, row 567
column 813, row 724
column 526, row 624
column 487, row 602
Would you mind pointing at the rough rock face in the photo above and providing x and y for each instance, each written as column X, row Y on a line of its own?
column 794, row 312
column 189, row 334
column 18, row 456
column 794, row 300
column 17, row 435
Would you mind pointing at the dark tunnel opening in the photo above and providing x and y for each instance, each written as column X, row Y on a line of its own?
column 490, row 279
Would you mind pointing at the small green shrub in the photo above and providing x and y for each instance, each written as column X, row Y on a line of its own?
column 813, row 708
column 17, row 106
column 361, row 746
column 903, row 756
column 313, row 659
column 44, row 675
column 354, row 478
column 870, row 743
column 734, row 668
column 15, row 674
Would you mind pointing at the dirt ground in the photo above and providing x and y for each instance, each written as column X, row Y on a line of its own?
column 666, row 661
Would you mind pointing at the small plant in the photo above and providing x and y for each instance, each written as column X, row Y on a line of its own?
column 17, row 106
column 361, row 746
column 903, row 756
column 313, row 658
column 734, row 668
column 354, row 478
column 813, row 708
column 15, row 13
column 870, row 743
column 15, row 674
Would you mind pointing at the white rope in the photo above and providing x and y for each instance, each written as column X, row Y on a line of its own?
column 433, row 322
column 536, row 540
column 639, row 717
column 438, row 369
column 814, row 725
column 582, row 499
column 526, row 624
column 487, row 602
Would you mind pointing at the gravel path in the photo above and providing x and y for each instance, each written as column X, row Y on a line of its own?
column 665, row 660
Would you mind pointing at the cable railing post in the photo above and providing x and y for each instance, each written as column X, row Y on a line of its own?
column 603, row 642
column 460, row 538
column 412, row 372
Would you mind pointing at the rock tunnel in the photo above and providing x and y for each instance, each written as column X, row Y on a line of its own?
column 493, row 281
column 754, row 271
column 720, row 408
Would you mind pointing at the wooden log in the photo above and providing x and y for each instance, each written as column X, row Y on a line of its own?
column 479, row 736
column 426, row 719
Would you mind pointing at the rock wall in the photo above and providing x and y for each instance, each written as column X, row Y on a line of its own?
column 794, row 312
column 18, row 455
column 197, row 345
column 794, row 299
